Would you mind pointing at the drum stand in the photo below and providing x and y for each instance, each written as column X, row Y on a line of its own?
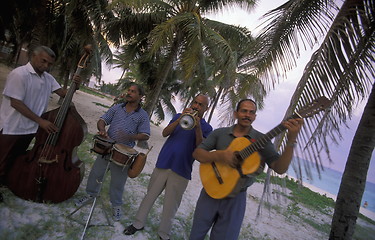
column 87, row 224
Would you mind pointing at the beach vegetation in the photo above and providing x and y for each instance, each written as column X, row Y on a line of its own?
column 316, row 203
column 102, row 105
column 92, row 92
column 293, row 210
column 363, row 233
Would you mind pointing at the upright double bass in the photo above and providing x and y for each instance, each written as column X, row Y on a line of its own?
column 51, row 172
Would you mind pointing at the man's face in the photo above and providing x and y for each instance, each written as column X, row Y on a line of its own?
column 133, row 94
column 41, row 62
column 246, row 114
column 200, row 104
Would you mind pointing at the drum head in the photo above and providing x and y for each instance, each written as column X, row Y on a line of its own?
column 124, row 149
column 103, row 139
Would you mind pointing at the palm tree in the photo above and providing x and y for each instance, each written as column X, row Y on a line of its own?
column 65, row 26
column 138, row 69
column 342, row 69
column 181, row 31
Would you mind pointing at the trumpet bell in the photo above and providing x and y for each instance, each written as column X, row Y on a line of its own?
column 187, row 121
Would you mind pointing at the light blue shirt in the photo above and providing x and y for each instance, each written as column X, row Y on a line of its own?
column 124, row 123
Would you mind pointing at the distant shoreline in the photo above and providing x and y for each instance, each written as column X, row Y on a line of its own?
column 368, row 213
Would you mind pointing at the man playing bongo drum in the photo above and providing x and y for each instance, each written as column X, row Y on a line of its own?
column 128, row 123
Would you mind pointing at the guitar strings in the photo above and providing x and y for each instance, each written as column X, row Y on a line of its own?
column 260, row 143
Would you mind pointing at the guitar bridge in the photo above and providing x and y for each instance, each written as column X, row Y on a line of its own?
column 239, row 162
column 217, row 173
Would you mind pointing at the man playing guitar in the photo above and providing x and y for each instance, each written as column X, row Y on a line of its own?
column 225, row 215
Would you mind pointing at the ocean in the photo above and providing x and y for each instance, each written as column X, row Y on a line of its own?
column 330, row 182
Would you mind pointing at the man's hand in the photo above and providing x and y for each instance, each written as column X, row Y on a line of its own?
column 48, row 126
column 228, row 157
column 77, row 80
column 103, row 133
column 294, row 127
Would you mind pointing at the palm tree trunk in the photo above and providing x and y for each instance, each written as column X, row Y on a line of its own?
column 154, row 94
column 216, row 100
column 354, row 178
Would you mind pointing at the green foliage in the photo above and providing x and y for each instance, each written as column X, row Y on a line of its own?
column 110, row 88
column 363, row 233
column 305, row 196
column 92, row 92
column 322, row 227
column 292, row 210
column 102, row 105
column 301, row 195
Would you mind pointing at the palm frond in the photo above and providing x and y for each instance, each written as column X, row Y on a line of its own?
column 207, row 6
column 292, row 24
column 341, row 69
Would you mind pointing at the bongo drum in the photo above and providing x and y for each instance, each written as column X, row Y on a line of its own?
column 137, row 166
column 102, row 145
column 123, row 155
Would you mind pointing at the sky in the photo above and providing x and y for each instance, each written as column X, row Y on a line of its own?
column 278, row 99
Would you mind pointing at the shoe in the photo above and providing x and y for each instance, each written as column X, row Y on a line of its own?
column 83, row 200
column 117, row 213
column 130, row 230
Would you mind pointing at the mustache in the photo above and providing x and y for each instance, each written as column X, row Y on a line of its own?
column 246, row 118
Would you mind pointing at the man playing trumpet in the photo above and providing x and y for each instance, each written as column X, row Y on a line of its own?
column 173, row 167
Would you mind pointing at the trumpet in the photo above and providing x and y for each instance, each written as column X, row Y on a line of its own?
column 188, row 120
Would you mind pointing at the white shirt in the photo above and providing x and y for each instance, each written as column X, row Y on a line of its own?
column 24, row 84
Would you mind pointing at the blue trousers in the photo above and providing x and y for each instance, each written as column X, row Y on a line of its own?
column 119, row 175
column 223, row 216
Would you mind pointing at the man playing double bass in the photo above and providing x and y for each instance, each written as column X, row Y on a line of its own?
column 25, row 99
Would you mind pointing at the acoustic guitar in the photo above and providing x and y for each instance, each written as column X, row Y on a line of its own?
column 221, row 180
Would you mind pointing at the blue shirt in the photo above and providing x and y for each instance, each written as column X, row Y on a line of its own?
column 176, row 153
column 123, row 123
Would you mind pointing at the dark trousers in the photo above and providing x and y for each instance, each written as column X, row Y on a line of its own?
column 11, row 146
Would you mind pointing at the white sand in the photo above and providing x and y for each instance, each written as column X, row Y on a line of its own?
column 273, row 224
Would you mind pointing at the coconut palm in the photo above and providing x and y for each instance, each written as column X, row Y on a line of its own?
column 341, row 69
column 65, row 26
column 136, row 68
column 181, row 31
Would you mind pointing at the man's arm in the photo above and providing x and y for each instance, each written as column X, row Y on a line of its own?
column 198, row 131
column 222, row 156
column 62, row 92
column 282, row 164
column 25, row 111
column 168, row 130
column 101, row 128
column 140, row 137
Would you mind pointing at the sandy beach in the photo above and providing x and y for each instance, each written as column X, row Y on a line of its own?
column 274, row 223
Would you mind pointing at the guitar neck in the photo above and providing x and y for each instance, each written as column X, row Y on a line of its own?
column 261, row 142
